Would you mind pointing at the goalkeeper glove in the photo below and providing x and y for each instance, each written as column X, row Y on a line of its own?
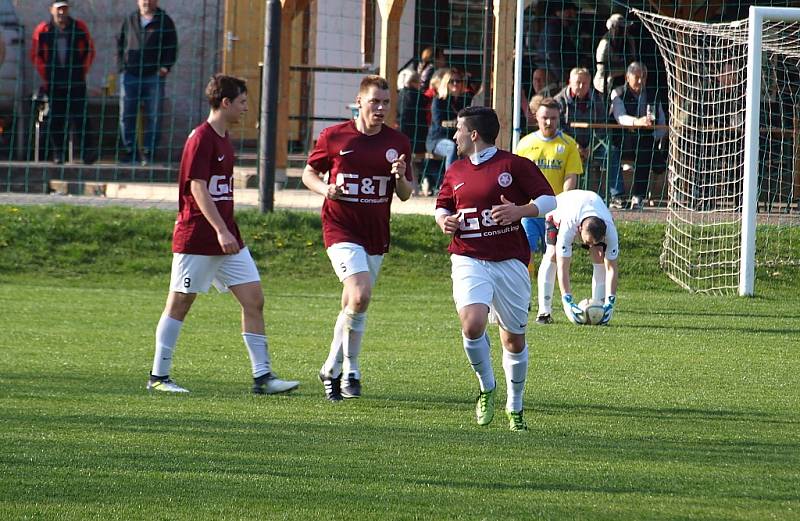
column 608, row 309
column 573, row 312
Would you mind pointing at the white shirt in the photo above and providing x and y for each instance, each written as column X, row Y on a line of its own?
column 573, row 207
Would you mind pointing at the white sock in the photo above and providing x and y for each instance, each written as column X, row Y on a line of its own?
column 167, row 333
column 333, row 365
column 354, row 325
column 515, row 366
column 478, row 355
column 259, row 354
column 599, row 282
column 546, row 280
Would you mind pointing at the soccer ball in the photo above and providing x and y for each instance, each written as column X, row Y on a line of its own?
column 592, row 311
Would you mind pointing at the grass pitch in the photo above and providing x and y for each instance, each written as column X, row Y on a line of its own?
column 686, row 407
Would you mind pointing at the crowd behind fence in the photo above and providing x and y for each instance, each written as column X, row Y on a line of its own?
column 130, row 89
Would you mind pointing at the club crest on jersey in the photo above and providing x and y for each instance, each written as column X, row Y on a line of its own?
column 392, row 155
column 560, row 149
column 504, row 179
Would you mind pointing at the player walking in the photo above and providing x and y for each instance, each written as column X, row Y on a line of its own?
column 366, row 161
column 207, row 246
column 481, row 202
column 584, row 212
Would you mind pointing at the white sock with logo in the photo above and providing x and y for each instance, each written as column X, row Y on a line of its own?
column 259, row 353
column 354, row 325
column 167, row 333
column 599, row 282
column 515, row 366
column 478, row 354
column 333, row 365
column 546, row 281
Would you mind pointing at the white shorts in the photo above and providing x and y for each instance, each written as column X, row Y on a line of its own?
column 195, row 273
column 504, row 286
column 348, row 259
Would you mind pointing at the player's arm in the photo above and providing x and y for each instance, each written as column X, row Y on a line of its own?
column 226, row 240
column 563, row 266
column 570, row 182
column 313, row 181
column 402, row 186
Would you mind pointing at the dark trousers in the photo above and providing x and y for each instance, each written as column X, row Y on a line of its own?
column 68, row 113
column 639, row 148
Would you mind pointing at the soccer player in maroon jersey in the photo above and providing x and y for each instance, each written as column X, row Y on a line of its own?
column 366, row 165
column 482, row 199
column 207, row 246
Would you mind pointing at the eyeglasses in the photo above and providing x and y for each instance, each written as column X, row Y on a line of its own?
column 456, row 81
column 600, row 244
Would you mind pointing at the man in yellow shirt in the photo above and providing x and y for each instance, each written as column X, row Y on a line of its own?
column 558, row 157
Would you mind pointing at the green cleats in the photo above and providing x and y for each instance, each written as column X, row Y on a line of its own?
column 484, row 407
column 515, row 421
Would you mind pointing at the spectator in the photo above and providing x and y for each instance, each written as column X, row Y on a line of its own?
column 147, row 47
column 412, row 110
column 614, row 51
column 557, row 48
column 634, row 105
column 429, row 62
column 543, row 85
column 62, row 52
column 450, row 98
column 579, row 102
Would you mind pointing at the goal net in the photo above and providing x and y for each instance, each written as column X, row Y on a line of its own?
column 707, row 68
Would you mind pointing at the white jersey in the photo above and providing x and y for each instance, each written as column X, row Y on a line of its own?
column 572, row 208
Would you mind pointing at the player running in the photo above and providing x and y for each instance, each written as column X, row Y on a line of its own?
column 207, row 246
column 482, row 199
column 366, row 161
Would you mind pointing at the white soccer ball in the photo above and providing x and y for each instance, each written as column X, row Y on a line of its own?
column 592, row 311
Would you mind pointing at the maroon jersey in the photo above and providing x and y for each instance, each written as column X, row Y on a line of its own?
column 473, row 190
column 207, row 157
column 362, row 165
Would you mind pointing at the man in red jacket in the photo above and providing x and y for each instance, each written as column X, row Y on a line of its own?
column 62, row 52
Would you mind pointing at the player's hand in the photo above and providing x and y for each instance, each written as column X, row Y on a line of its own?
column 227, row 242
column 505, row 213
column 573, row 312
column 334, row 191
column 608, row 309
column 399, row 167
column 450, row 223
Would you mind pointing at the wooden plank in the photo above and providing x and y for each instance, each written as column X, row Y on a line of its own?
column 391, row 11
column 503, row 70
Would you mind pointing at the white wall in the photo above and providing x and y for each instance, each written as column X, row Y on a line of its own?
column 339, row 44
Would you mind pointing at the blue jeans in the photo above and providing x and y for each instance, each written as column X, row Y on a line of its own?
column 616, row 184
column 147, row 92
column 445, row 148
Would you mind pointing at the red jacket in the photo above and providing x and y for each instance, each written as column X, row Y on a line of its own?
column 79, row 56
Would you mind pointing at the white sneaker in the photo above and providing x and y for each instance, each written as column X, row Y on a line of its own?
column 165, row 385
column 271, row 384
column 637, row 203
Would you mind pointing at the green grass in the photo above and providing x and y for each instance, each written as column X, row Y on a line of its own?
column 687, row 407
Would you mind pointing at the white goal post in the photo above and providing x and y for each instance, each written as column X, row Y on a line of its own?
column 757, row 17
column 734, row 99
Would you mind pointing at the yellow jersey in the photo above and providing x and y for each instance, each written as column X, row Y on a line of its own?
column 557, row 157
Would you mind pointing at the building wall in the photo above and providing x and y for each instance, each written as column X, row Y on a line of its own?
column 198, row 23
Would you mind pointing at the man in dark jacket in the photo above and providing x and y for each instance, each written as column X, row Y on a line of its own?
column 147, row 47
column 580, row 103
column 62, row 52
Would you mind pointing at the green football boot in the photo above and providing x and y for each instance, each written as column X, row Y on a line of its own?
column 484, row 407
column 515, row 421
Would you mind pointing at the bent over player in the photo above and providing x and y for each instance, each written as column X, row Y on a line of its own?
column 207, row 246
column 482, row 199
column 366, row 162
column 582, row 212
